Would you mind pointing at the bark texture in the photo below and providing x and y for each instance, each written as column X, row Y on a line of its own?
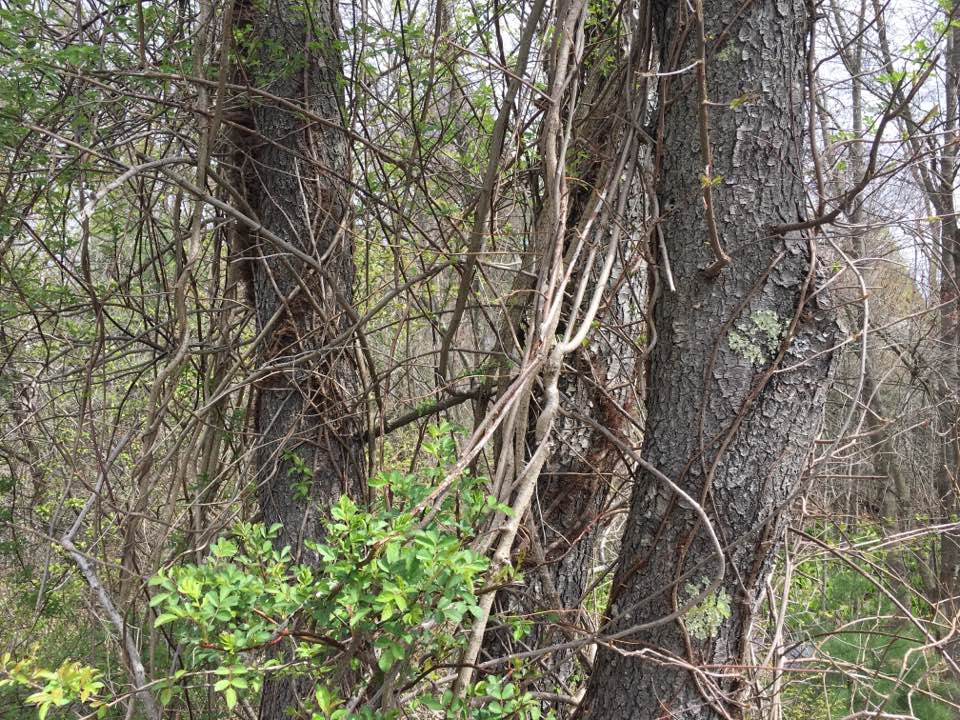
column 728, row 430
column 601, row 384
column 295, row 171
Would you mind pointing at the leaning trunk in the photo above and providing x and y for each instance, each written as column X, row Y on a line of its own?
column 738, row 375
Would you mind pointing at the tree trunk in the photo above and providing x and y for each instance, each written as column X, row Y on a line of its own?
column 726, row 428
column 601, row 387
column 569, row 515
column 573, row 490
column 950, row 341
column 307, row 419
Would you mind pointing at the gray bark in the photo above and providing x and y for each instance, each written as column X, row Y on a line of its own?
column 601, row 384
column 568, row 517
column 572, row 492
column 720, row 424
column 950, row 341
column 294, row 172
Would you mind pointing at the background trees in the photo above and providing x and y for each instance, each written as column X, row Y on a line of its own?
column 426, row 294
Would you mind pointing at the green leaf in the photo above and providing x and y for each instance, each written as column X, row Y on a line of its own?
column 164, row 618
column 224, row 548
column 231, row 697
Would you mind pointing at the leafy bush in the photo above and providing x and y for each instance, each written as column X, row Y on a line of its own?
column 372, row 623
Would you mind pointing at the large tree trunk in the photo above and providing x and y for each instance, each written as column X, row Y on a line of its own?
column 295, row 173
column 725, row 427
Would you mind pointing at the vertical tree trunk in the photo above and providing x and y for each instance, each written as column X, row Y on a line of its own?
column 573, row 489
column 721, row 423
column 294, row 174
column 950, row 340
column 599, row 385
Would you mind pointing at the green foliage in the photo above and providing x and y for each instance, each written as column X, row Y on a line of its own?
column 381, row 603
column 301, row 475
column 71, row 682
column 708, row 181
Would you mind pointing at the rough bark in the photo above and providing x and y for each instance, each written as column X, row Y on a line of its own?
column 294, row 172
column 601, row 385
column 728, row 430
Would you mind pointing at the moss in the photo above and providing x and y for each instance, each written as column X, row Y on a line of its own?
column 704, row 620
column 728, row 53
column 758, row 340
